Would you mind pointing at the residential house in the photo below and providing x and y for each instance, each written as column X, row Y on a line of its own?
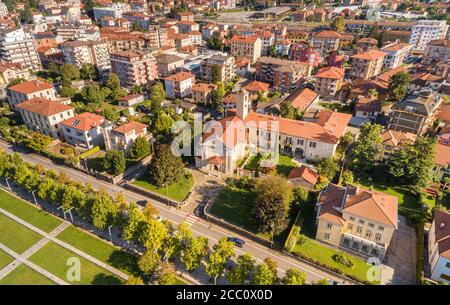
column 329, row 81
column 79, row 52
column 134, row 68
column 393, row 140
column 436, row 51
column 255, row 88
column 365, row 44
column 30, row 89
column 179, row 85
column 356, row 219
column 368, row 107
column 366, row 65
column 122, row 137
column 426, row 31
column 439, row 246
column 130, row 100
column 246, row 46
column 226, row 66
column 201, row 92
column 396, row 54
column 303, row 176
column 84, row 130
column 326, row 41
column 242, row 66
column 302, row 99
column 167, row 64
column 43, row 115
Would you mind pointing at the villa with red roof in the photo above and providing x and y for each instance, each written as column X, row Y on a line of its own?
column 244, row 132
column 356, row 219
column 84, row 130
column 30, row 89
column 43, row 115
column 439, row 246
column 122, row 137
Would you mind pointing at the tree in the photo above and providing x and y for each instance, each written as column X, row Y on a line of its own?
column 372, row 92
column 136, row 26
column 135, row 89
column 245, row 267
column 149, row 211
column 398, row 84
column 338, row 24
column 26, row 15
column 273, row 265
column 216, row 74
column 322, row 281
column 217, row 260
column 273, row 197
column 110, row 113
column 165, row 168
column 68, row 91
column 195, row 251
column 366, row 147
column 140, row 148
column 166, row 274
column 263, row 275
column 88, row 71
column 327, row 167
column 173, row 243
column 163, row 124
column 157, row 94
column 114, row 162
column 215, row 43
column 294, row 277
column 149, row 262
column 288, row 111
column 272, row 51
column 93, row 94
column 216, row 97
column 103, row 210
column 133, row 280
column 38, row 141
column 72, row 197
column 134, row 217
column 69, row 72
column 347, row 177
column 152, row 234
column 15, row 81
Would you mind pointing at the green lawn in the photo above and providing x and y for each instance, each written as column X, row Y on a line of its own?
column 177, row 191
column 38, row 218
column 15, row 236
column 5, row 259
column 309, row 248
column 285, row 165
column 24, row 275
column 338, row 106
column 101, row 250
column 54, row 258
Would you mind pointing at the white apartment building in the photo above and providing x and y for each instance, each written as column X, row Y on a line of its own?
column 43, row 115
column 30, row 89
column 246, row 46
column 17, row 47
column 93, row 52
column 396, row 54
column 426, row 31
column 84, row 130
column 436, row 51
column 179, row 85
column 439, row 246
column 3, row 10
column 114, row 10
column 134, row 68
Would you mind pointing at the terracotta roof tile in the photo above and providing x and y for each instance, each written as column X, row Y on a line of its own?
column 370, row 55
column 126, row 128
column 256, row 86
column 84, row 121
column 305, row 173
column 179, row 77
column 32, row 86
column 331, row 72
column 43, row 106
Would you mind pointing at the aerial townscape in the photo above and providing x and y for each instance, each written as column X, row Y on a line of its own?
column 224, row 142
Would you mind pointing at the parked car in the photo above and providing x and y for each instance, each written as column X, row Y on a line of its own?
column 141, row 202
column 237, row 241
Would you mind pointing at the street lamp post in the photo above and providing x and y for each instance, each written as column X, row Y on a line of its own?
column 109, row 231
column 7, row 183
column 167, row 193
column 62, row 209
column 70, row 213
column 34, row 197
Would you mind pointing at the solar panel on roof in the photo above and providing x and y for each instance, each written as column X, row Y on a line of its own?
column 75, row 123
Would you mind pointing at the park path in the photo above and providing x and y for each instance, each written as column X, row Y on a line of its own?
column 49, row 237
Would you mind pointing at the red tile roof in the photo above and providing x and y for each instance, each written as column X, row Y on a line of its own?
column 244, row 39
column 84, row 121
column 395, row 138
column 179, row 77
column 43, row 106
column 369, row 55
column 202, row 87
column 32, row 86
column 442, row 157
column 303, row 99
column 304, row 172
column 331, row 72
column 442, row 231
column 328, row 34
column 256, row 86
column 126, row 128
column 444, row 113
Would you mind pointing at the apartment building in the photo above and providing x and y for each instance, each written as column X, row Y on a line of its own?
column 184, row 16
column 439, row 246
column 187, row 26
column 79, row 52
column 130, row 100
column 284, row 75
column 415, row 113
column 122, row 137
column 141, row 19
column 124, row 40
column 329, row 81
column 300, row 52
column 396, row 54
column 3, row 10
column 201, row 92
column 84, row 130
column 134, row 68
column 30, row 89
column 8, row 73
column 43, row 115
column 366, row 65
column 179, row 85
column 18, row 47
column 426, row 31
column 366, row 43
column 267, row 40
column 245, row 131
column 226, row 64
column 356, row 219
column 393, row 140
column 167, row 64
column 436, row 51
column 246, row 46
column 326, row 41
column 113, row 10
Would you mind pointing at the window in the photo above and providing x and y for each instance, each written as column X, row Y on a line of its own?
column 371, row 224
column 377, row 237
column 299, row 142
column 375, row 252
column 352, row 218
column 358, row 230
column 361, row 221
column 327, row 236
column 350, row 227
column 365, row 248
column 312, row 144
column 368, row 234
column 381, row 228
column 355, row 245
column 329, row 226
column 346, row 241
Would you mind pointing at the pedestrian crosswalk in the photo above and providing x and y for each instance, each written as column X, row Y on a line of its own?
column 192, row 219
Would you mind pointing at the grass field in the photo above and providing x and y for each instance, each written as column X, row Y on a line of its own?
column 5, row 259
column 38, row 218
column 24, row 275
column 54, row 258
column 15, row 236
column 285, row 165
column 99, row 249
column 177, row 191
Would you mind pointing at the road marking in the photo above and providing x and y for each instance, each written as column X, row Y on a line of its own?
column 192, row 219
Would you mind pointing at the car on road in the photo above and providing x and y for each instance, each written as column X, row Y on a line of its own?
column 237, row 241
column 141, row 202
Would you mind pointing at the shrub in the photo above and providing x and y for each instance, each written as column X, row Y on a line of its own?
column 341, row 259
column 68, row 150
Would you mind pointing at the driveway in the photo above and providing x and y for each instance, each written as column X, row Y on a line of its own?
column 401, row 254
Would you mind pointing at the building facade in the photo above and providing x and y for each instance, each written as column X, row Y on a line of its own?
column 79, row 52
column 426, row 31
column 17, row 47
column 246, row 46
column 134, row 68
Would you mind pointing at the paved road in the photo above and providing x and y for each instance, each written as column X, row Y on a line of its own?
column 198, row 226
